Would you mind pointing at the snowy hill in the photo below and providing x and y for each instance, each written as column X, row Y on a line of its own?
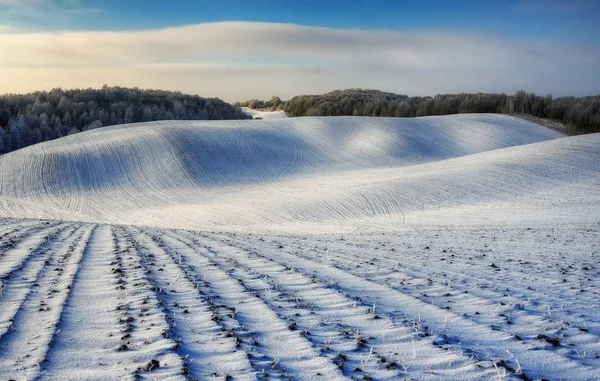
column 449, row 248
column 347, row 172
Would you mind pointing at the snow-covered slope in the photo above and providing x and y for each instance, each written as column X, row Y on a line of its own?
column 449, row 248
column 342, row 172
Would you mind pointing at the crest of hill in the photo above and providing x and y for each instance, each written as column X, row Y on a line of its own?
column 205, row 154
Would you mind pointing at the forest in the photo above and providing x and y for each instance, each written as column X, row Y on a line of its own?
column 579, row 115
column 27, row 119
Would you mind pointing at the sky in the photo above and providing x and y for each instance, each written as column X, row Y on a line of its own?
column 238, row 50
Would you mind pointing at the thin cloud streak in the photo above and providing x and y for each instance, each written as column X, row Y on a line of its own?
column 38, row 7
column 249, row 56
column 31, row 15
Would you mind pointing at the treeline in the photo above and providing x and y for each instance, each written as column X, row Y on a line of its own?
column 41, row 116
column 579, row 115
column 272, row 104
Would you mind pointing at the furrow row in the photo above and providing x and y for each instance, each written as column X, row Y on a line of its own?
column 202, row 335
column 90, row 333
column 479, row 339
column 143, row 324
column 19, row 279
column 358, row 339
column 495, row 307
column 38, row 320
column 287, row 352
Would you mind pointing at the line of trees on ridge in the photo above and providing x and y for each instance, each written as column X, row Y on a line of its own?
column 27, row 119
column 579, row 115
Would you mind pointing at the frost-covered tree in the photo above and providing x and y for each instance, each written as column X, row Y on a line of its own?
column 73, row 131
column 41, row 116
column 580, row 115
column 95, row 124
column 2, row 133
column 129, row 115
column 16, row 141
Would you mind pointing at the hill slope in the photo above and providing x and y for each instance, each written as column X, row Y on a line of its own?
column 471, row 254
column 344, row 171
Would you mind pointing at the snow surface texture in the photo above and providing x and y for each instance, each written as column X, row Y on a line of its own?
column 440, row 248
column 104, row 302
column 308, row 174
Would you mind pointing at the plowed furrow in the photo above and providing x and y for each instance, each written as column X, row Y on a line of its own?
column 288, row 351
column 353, row 334
column 35, row 324
column 143, row 323
column 479, row 339
column 90, row 335
column 498, row 307
column 21, row 279
column 28, row 244
column 207, row 349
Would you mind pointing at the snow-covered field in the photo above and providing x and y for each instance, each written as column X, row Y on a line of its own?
column 440, row 248
column 318, row 175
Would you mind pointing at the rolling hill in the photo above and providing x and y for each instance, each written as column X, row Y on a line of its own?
column 459, row 247
column 341, row 172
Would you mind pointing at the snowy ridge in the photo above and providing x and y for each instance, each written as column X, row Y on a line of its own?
column 341, row 172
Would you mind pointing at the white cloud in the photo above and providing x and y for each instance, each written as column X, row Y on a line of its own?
column 238, row 60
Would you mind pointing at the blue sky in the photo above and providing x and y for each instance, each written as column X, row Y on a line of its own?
column 290, row 47
column 565, row 20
